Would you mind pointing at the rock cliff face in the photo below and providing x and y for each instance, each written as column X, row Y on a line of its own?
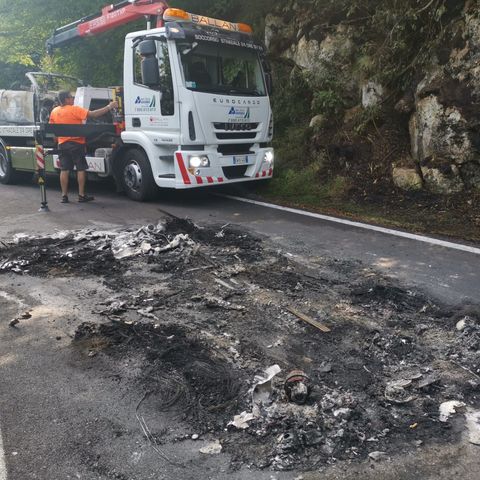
column 437, row 105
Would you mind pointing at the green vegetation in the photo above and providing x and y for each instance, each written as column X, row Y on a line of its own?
column 393, row 43
column 365, row 118
column 25, row 25
column 304, row 186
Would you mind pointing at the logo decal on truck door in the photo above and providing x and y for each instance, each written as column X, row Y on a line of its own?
column 145, row 104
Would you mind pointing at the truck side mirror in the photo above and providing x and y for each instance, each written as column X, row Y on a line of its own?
column 147, row 48
column 149, row 65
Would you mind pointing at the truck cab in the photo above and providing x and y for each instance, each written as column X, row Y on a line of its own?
column 196, row 100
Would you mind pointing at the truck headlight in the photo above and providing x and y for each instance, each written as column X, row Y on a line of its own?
column 198, row 161
column 269, row 157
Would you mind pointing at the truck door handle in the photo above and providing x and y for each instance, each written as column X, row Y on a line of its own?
column 136, row 122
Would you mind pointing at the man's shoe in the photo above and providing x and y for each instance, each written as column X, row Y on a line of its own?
column 64, row 199
column 85, row 198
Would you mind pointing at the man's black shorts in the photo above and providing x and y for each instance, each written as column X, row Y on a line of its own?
column 72, row 154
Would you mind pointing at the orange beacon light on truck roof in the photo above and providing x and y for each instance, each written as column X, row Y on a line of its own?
column 178, row 15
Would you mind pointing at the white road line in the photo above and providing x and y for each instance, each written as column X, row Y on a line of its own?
column 388, row 231
column 3, row 466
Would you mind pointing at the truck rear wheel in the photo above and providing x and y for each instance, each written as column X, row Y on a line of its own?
column 7, row 172
column 137, row 177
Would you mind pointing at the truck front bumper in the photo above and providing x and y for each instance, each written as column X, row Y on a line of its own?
column 221, row 169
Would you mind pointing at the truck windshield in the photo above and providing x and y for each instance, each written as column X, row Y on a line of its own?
column 209, row 67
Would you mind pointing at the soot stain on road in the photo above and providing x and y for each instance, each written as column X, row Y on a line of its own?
column 205, row 311
column 179, row 371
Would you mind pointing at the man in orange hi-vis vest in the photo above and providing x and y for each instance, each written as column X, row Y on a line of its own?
column 72, row 149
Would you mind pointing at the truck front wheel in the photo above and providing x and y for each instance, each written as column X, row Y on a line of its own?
column 137, row 177
column 7, row 173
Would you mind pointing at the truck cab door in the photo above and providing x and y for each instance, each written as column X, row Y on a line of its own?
column 150, row 99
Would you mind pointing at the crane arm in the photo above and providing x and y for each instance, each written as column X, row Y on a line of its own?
column 111, row 16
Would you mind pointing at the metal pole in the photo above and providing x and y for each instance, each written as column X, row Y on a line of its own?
column 40, row 158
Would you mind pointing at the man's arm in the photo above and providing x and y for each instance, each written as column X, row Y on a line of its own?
column 102, row 111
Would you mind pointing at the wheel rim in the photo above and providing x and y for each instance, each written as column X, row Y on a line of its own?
column 132, row 174
column 3, row 165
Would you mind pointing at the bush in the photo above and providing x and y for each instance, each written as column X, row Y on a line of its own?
column 292, row 98
column 327, row 102
column 292, row 146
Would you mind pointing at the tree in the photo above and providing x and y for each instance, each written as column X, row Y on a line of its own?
column 25, row 25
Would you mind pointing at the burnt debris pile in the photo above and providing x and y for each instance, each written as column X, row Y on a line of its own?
column 64, row 253
column 101, row 252
column 180, row 371
column 283, row 362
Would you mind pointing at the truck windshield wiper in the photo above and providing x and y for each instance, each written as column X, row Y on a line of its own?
column 205, row 89
column 244, row 91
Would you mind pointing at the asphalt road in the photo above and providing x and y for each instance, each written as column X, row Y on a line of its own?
column 47, row 401
column 449, row 275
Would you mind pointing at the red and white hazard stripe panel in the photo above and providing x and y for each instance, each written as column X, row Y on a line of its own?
column 40, row 157
column 208, row 180
column 265, row 173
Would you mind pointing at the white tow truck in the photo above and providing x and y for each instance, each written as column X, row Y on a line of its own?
column 194, row 106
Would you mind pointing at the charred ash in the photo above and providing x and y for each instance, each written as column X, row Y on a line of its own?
column 207, row 315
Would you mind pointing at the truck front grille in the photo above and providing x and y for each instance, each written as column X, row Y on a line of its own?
column 235, row 135
column 235, row 149
column 237, row 171
column 232, row 127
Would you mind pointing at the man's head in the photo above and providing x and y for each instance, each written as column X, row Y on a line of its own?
column 65, row 98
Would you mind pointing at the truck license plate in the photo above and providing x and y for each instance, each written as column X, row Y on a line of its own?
column 240, row 160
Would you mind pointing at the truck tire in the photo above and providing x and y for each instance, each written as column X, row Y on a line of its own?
column 137, row 177
column 7, row 172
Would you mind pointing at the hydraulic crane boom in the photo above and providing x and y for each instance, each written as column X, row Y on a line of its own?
column 111, row 16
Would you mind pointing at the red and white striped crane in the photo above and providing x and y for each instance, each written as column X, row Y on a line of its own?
column 111, row 16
